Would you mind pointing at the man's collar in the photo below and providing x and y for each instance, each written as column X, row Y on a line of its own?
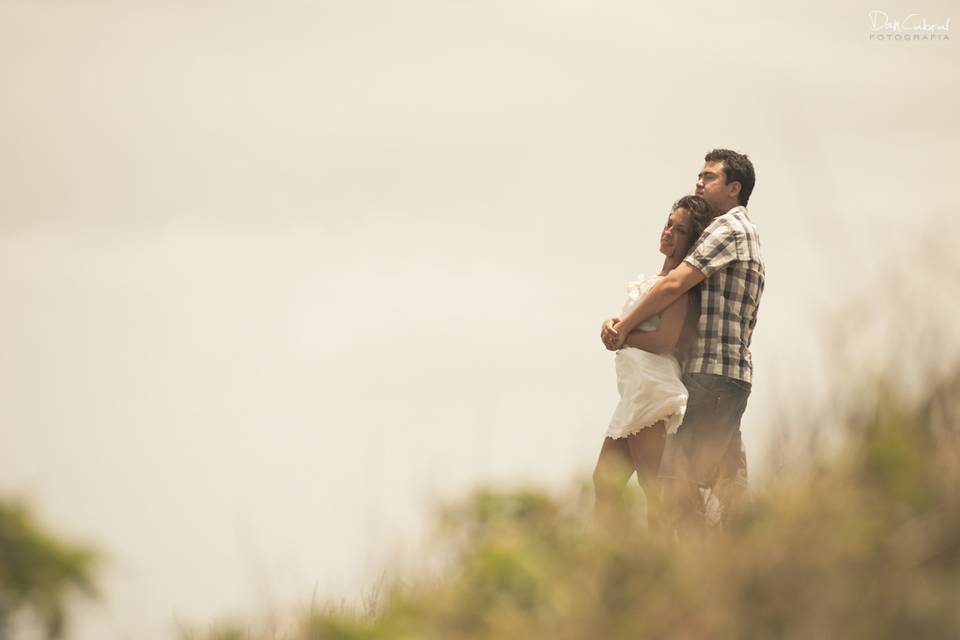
column 739, row 208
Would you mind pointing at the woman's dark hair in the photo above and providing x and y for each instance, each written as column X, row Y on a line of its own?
column 701, row 215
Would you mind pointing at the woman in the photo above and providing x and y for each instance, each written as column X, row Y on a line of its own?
column 652, row 398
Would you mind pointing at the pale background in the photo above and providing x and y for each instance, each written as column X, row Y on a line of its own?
column 276, row 276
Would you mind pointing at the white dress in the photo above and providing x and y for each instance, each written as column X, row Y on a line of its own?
column 649, row 384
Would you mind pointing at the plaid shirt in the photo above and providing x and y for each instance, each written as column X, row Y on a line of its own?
column 728, row 254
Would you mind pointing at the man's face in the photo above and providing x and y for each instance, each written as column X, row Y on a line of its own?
column 713, row 187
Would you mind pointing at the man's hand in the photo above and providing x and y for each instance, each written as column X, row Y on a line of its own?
column 611, row 339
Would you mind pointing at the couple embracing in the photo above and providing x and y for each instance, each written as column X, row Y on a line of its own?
column 683, row 355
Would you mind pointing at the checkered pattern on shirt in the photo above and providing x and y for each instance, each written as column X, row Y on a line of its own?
column 728, row 254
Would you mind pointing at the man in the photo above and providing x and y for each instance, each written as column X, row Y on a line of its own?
column 719, row 373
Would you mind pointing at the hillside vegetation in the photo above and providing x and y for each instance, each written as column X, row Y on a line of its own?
column 862, row 541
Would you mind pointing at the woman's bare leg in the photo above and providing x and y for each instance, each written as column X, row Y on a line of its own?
column 646, row 450
column 613, row 471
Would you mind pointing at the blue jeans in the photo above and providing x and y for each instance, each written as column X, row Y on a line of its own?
column 707, row 446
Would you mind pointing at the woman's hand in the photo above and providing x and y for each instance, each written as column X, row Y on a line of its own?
column 619, row 335
column 610, row 338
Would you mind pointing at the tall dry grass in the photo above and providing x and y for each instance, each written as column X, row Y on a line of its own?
column 863, row 541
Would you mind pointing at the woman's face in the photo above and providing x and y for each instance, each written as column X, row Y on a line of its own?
column 675, row 237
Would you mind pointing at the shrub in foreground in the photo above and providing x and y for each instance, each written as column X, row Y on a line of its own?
column 864, row 543
column 38, row 572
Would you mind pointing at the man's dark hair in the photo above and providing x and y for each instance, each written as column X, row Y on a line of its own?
column 736, row 168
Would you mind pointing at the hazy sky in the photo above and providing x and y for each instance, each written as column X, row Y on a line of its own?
column 276, row 275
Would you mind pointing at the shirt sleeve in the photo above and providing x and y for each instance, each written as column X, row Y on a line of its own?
column 716, row 249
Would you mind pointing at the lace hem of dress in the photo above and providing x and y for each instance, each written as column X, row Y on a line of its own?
column 672, row 420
